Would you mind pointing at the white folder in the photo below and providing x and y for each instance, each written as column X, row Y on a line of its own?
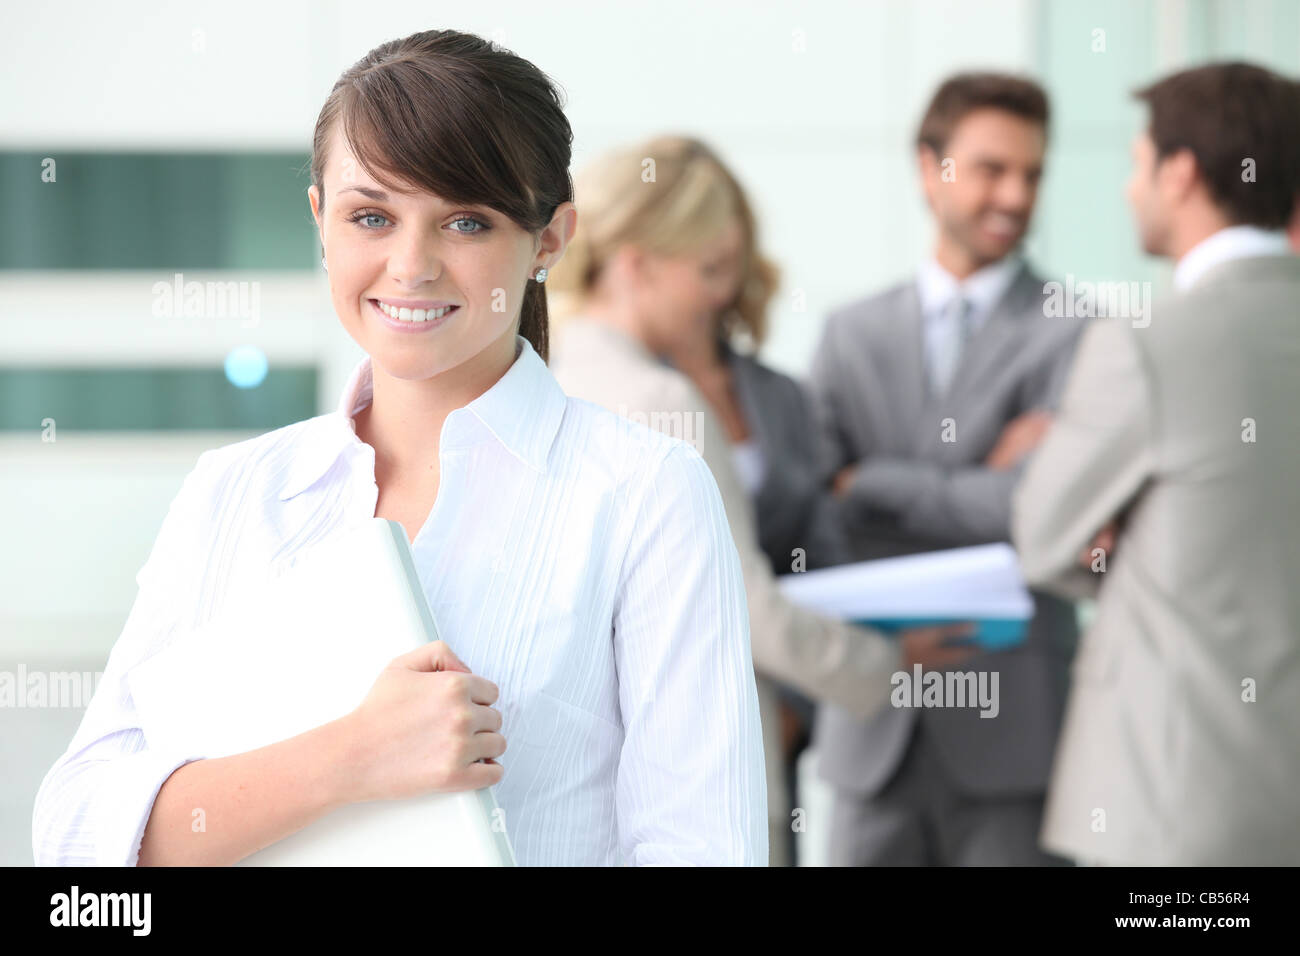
column 981, row 584
column 302, row 651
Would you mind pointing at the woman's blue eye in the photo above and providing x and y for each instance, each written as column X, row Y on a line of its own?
column 362, row 215
column 469, row 232
column 358, row 216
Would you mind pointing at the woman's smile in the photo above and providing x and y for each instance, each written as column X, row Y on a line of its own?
column 403, row 318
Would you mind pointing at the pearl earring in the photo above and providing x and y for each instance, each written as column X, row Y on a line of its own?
column 323, row 264
column 540, row 276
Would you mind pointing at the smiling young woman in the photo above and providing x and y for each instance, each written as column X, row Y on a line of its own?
column 580, row 564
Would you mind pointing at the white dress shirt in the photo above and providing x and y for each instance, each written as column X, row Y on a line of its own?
column 938, row 288
column 1234, row 242
column 580, row 561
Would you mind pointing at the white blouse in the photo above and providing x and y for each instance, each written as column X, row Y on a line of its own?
column 578, row 560
column 751, row 466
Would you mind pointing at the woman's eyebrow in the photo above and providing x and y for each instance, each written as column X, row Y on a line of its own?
column 378, row 195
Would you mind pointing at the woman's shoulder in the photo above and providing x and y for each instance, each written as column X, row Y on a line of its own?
column 230, row 486
column 663, row 482
column 279, row 437
column 260, row 459
column 622, row 445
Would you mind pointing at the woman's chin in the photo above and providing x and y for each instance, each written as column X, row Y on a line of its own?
column 409, row 363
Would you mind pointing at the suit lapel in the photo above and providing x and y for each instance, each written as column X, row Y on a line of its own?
column 905, row 369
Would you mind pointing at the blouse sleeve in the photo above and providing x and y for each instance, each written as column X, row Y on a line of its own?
column 691, row 784
column 94, row 803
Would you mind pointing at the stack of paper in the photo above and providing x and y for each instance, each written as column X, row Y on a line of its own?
column 982, row 585
column 304, row 651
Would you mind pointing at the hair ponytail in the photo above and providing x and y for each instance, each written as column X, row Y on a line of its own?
column 534, row 324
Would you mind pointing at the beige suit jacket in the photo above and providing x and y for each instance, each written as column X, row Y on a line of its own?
column 1181, row 741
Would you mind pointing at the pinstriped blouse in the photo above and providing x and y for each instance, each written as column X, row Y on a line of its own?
column 580, row 561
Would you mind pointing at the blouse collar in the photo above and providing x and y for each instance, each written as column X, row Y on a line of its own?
column 521, row 411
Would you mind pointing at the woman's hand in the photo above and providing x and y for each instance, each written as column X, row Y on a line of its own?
column 423, row 728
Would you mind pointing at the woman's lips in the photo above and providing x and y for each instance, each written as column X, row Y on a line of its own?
column 400, row 326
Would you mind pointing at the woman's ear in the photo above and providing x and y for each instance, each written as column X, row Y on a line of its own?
column 313, row 200
column 556, row 236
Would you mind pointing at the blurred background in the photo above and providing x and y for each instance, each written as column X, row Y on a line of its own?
column 146, row 146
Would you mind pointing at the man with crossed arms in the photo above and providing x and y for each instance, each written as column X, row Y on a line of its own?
column 930, row 395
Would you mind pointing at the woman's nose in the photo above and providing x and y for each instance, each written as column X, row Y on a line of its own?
column 415, row 263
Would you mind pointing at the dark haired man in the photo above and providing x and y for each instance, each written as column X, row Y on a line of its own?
column 930, row 396
column 1178, row 444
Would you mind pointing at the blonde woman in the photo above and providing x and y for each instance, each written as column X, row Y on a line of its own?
column 662, row 275
column 581, row 567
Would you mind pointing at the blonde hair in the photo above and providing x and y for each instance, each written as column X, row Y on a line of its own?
column 669, row 195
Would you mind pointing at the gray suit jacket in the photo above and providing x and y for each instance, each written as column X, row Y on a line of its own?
column 1167, row 756
column 916, row 492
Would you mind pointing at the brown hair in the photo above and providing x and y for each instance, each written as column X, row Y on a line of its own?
column 1225, row 114
column 465, row 119
column 687, row 202
column 965, row 93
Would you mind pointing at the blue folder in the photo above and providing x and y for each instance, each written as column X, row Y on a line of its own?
column 994, row 634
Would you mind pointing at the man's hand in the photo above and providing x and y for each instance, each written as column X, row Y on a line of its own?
column 1105, row 540
column 929, row 647
column 843, row 479
column 1019, row 437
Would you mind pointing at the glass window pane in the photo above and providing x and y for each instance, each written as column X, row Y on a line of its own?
column 156, row 210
